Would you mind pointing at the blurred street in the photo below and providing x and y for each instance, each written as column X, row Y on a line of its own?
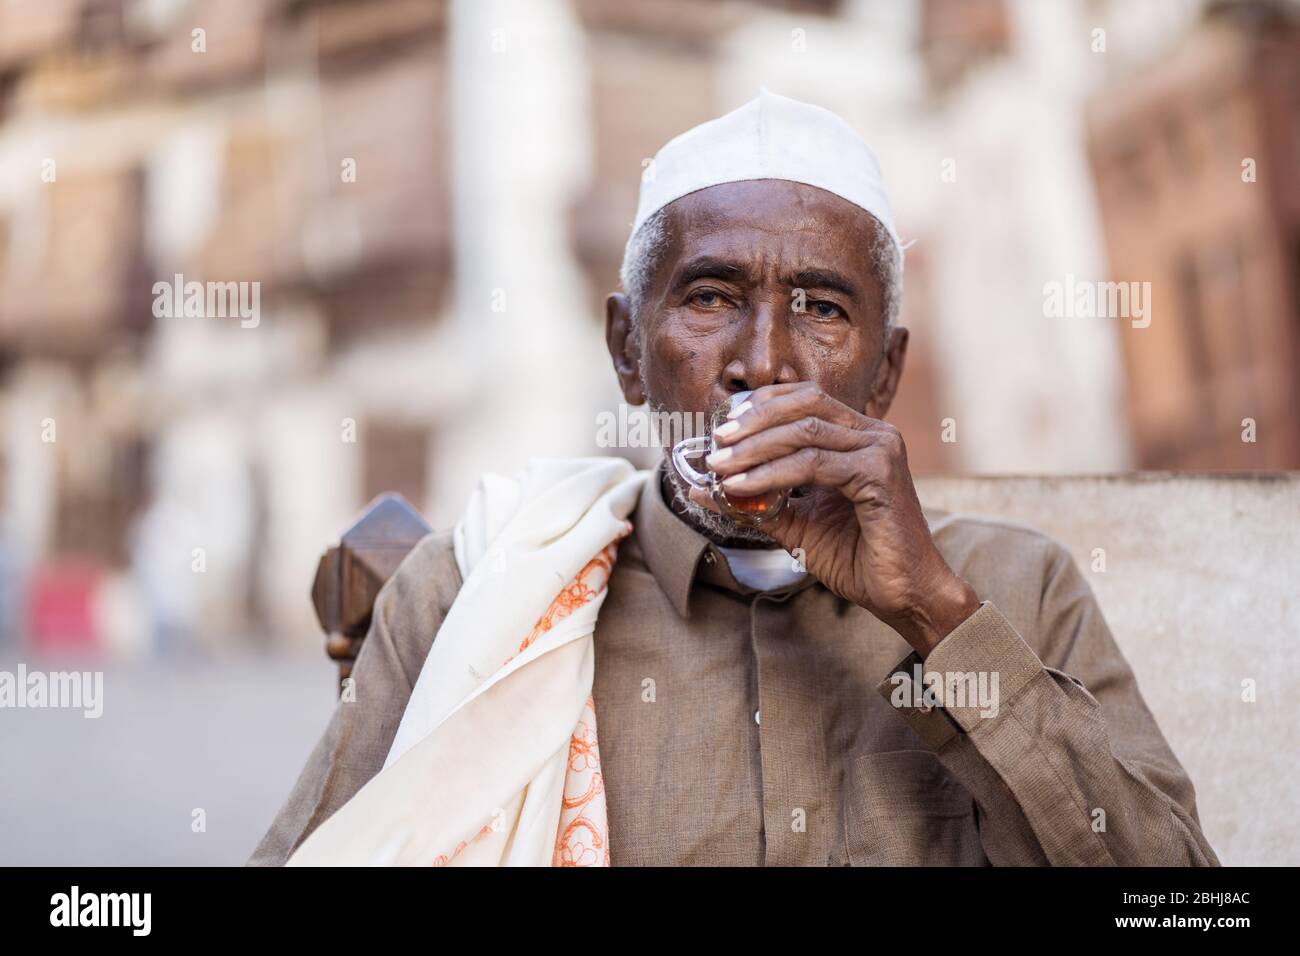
column 227, row 737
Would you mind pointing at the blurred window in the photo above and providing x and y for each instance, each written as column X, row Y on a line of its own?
column 1131, row 173
column 396, row 459
column 1232, row 265
column 1193, row 317
column 93, row 517
column 101, row 25
column 1182, row 154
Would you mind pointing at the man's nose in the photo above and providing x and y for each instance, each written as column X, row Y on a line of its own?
column 762, row 351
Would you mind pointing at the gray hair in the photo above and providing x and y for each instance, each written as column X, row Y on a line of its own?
column 645, row 248
column 641, row 256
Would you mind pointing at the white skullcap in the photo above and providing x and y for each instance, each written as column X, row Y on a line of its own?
column 770, row 137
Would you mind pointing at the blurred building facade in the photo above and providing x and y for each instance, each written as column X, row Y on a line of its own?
column 189, row 461
column 434, row 196
column 1197, row 161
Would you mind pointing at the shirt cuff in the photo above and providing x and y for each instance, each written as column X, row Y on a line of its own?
column 978, row 669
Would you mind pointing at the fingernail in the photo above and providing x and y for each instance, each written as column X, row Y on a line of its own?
column 727, row 428
column 735, row 479
column 740, row 409
column 718, row 457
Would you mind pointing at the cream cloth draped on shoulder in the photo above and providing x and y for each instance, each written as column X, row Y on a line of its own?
column 496, row 761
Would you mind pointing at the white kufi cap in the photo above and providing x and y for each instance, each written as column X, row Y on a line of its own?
column 770, row 137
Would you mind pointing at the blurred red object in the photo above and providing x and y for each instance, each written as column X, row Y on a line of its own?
column 61, row 599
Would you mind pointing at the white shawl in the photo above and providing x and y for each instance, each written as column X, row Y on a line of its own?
column 495, row 761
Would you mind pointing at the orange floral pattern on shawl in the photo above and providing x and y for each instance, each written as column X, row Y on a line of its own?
column 583, row 837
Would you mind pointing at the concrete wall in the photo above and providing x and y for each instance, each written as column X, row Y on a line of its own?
column 1201, row 588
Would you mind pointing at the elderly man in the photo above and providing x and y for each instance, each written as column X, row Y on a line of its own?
column 855, row 680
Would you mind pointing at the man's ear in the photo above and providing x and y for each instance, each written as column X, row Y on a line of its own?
column 624, row 347
column 889, row 372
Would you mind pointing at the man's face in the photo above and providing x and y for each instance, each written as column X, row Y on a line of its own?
column 761, row 282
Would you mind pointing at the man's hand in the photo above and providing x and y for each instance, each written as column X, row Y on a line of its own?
column 860, row 528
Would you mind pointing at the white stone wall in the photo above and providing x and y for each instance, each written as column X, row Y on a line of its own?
column 1199, row 589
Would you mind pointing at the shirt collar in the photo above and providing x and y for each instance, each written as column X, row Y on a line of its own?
column 677, row 555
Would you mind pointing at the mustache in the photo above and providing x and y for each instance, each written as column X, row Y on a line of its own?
column 713, row 415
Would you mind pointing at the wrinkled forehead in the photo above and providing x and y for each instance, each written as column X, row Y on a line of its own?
column 775, row 222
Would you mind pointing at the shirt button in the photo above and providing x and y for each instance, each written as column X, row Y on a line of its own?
column 756, row 720
column 708, row 557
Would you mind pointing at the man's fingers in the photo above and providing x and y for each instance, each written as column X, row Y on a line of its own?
column 807, row 466
column 775, row 405
column 781, row 440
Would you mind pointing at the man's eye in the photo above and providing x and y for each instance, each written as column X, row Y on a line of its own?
column 826, row 310
column 707, row 298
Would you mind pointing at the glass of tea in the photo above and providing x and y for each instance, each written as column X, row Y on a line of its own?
column 747, row 511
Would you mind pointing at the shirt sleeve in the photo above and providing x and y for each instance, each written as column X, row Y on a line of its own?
column 1064, row 760
column 407, row 614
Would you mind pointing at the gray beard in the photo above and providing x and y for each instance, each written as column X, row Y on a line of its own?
column 718, row 528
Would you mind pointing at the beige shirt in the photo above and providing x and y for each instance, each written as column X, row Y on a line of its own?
column 740, row 727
